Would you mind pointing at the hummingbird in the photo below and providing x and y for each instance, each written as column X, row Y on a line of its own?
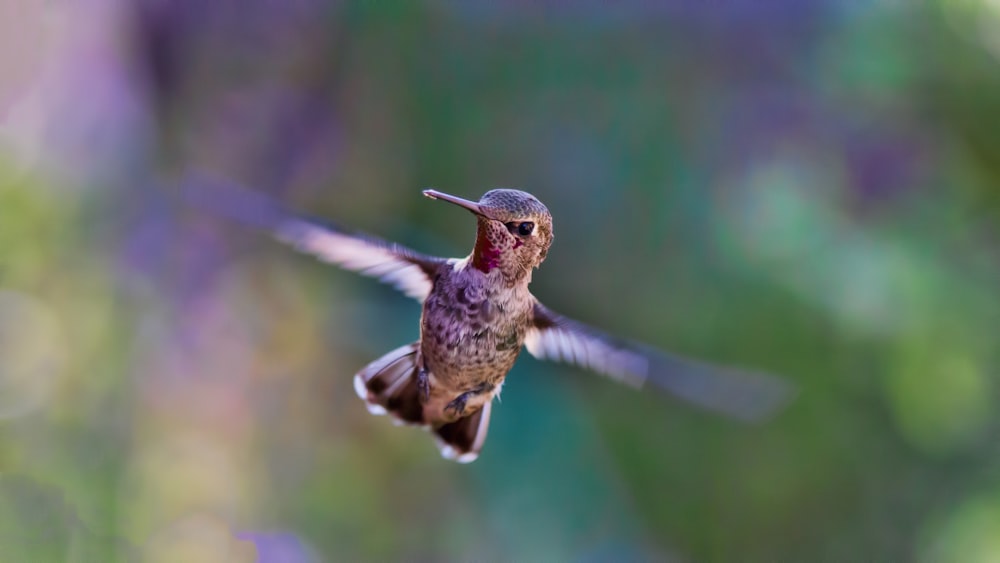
column 478, row 314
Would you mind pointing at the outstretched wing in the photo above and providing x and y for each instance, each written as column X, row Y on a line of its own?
column 410, row 272
column 391, row 263
column 741, row 394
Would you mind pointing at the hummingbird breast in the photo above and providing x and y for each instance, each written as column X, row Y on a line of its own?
column 472, row 328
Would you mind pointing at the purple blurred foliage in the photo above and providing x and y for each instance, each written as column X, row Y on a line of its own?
column 99, row 125
column 170, row 31
column 759, row 119
column 171, row 248
column 278, row 547
column 883, row 158
column 271, row 109
column 885, row 164
column 305, row 139
column 271, row 17
column 150, row 237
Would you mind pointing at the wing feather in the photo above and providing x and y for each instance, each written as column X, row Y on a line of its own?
column 738, row 393
column 393, row 264
column 410, row 272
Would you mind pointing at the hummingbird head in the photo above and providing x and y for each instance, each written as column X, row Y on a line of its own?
column 515, row 231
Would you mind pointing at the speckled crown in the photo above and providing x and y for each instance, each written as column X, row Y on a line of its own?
column 514, row 203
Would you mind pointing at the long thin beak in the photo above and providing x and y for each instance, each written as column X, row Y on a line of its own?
column 470, row 205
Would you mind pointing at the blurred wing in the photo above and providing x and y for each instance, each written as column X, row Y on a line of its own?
column 741, row 394
column 410, row 272
column 391, row 263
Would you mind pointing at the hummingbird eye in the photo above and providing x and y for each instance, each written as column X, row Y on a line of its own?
column 524, row 229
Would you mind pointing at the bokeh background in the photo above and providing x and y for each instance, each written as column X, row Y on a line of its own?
column 808, row 187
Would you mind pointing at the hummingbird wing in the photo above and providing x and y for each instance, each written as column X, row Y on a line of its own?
column 409, row 271
column 406, row 270
column 741, row 394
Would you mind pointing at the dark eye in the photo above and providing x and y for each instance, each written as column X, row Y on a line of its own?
column 524, row 229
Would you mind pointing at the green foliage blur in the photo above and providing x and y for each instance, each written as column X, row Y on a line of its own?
column 806, row 187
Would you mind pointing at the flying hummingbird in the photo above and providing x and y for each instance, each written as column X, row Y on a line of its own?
column 478, row 314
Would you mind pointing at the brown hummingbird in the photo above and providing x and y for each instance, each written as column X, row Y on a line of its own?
column 478, row 314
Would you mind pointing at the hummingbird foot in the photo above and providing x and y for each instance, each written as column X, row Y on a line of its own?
column 423, row 385
column 457, row 405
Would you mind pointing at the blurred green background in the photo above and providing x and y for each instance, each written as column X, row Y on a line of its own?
column 808, row 187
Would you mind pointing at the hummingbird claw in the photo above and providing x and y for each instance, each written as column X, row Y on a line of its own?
column 423, row 385
column 457, row 406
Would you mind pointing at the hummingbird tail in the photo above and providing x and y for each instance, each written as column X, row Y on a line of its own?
column 461, row 440
column 389, row 386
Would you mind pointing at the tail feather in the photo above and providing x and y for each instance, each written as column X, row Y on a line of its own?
column 461, row 440
column 389, row 386
column 405, row 403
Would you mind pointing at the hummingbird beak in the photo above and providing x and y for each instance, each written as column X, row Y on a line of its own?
column 470, row 205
